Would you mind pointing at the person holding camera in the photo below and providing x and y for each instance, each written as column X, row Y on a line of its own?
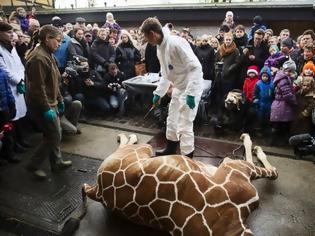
column 181, row 68
column 45, row 101
column 117, row 94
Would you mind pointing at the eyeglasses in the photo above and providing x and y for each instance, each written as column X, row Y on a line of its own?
column 205, row 41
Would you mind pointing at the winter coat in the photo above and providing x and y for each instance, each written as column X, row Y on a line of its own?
column 205, row 54
column 100, row 87
column 152, row 63
column 126, row 58
column 112, row 26
column 253, row 30
column 119, row 78
column 6, row 96
column 241, row 42
column 284, row 104
column 102, row 52
column 11, row 64
column 275, row 60
column 179, row 65
column 24, row 23
column 78, row 49
column 248, row 88
column 303, row 120
column 43, row 78
column 263, row 97
column 301, row 63
column 62, row 53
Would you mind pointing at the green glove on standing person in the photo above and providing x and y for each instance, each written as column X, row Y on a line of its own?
column 61, row 107
column 155, row 100
column 21, row 88
column 190, row 101
column 50, row 115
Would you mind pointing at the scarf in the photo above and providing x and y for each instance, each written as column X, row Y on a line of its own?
column 223, row 50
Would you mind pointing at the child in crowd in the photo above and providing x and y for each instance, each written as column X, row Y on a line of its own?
column 305, row 105
column 284, row 104
column 276, row 59
column 263, row 96
column 308, row 71
column 250, row 83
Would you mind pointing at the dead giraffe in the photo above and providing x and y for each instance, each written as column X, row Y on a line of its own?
column 179, row 195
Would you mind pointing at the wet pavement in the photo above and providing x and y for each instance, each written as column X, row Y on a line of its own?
column 287, row 205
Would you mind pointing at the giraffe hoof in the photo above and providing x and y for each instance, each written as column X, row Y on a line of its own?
column 133, row 139
column 119, row 137
column 243, row 136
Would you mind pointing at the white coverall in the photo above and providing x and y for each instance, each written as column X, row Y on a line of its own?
column 180, row 67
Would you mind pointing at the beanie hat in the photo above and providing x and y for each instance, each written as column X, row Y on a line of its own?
column 289, row 65
column 257, row 20
column 80, row 20
column 4, row 26
column 275, row 47
column 229, row 13
column 309, row 69
column 265, row 70
column 56, row 21
column 288, row 42
column 253, row 69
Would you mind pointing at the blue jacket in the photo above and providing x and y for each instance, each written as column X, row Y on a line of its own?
column 263, row 94
column 61, row 53
column 6, row 96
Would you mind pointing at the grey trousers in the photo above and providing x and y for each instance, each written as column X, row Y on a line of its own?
column 49, row 147
column 70, row 120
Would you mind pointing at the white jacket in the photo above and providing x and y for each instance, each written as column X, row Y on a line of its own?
column 179, row 65
column 11, row 63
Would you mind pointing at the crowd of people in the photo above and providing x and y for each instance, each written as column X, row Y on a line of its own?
column 52, row 75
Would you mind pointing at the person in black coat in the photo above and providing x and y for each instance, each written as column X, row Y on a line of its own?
column 78, row 45
column 205, row 54
column 127, row 55
column 102, row 52
column 152, row 63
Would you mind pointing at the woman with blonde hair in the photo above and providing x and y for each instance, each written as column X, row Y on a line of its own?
column 127, row 55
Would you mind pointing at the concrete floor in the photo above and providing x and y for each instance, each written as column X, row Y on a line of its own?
column 287, row 205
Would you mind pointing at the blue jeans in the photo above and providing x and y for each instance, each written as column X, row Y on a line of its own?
column 98, row 103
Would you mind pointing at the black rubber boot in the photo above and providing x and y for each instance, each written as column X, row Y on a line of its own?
column 171, row 147
column 190, row 155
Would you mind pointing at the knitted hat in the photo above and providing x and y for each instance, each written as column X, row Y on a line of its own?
column 229, row 13
column 5, row 26
column 309, row 69
column 289, row 65
column 80, row 20
column 274, row 47
column 253, row 69
column 257, row 20
column 56, row 21
column 265, row 70
column 288, row 42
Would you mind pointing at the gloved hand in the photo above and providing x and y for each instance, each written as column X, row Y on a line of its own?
column 61, row 107
column 12, row 111
column 155, row 99
column 50, row 115
column 190, row 101
column 21, row 88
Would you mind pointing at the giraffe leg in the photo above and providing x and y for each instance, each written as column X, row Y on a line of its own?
column 263, row 158
column 248, row 147
column 133, row 139
column 122, row 139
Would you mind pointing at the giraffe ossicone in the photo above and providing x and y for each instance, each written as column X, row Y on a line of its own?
column 179, row 195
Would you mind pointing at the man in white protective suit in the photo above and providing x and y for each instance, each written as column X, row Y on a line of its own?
column 181, row 68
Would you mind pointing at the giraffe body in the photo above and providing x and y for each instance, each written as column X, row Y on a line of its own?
column 177, row 194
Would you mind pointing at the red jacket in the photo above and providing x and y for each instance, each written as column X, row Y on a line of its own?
column 249, row 87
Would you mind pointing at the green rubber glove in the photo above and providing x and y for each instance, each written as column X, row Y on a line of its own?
column 190, row 101
column 61, row 107
column 21, row 88
column 50, row 115
column 155, row 99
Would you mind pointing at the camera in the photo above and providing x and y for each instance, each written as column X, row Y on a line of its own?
column 74, row 66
